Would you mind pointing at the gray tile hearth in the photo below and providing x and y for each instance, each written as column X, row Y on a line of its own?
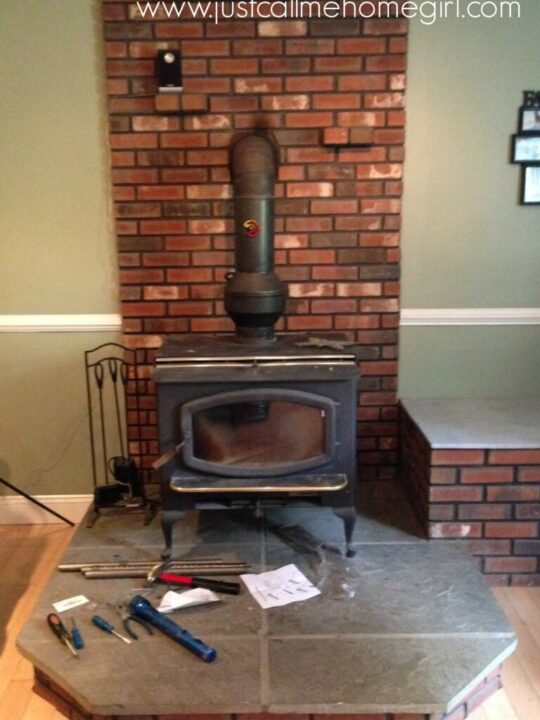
column 414, row 589
column 389, row 674
column 404, row 626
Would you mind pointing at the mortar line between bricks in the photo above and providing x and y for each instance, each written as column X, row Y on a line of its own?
column 515, row 481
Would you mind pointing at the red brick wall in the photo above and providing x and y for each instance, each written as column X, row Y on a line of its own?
column 337, row 211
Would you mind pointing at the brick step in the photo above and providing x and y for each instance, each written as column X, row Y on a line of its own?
column 472, row 472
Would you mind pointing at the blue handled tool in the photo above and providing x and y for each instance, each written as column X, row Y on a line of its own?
column 76, row 636
column 140, row 607
column 104, row 625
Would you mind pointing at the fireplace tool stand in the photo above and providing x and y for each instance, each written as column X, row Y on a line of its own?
column 112, row 386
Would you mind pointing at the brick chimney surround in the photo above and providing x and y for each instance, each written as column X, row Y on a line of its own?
column 332, row 92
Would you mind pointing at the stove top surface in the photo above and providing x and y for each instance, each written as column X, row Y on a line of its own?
column 184, row 348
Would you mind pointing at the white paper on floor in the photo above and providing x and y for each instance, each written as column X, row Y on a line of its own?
column 175, row 601
column 280, row 587
column 69, row 603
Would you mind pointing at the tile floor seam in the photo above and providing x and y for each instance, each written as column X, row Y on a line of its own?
column 264, row 646
column 398, row 636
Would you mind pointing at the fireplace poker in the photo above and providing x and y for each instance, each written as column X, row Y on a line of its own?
column 113, row 371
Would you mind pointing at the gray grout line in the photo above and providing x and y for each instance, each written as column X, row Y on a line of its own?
column 265, row 664
column 399, row 636
column 265, row 649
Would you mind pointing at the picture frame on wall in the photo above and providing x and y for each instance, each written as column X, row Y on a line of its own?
column 530, row 120
column 531, row 185
column 526, row 148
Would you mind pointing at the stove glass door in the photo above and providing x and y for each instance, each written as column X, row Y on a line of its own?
column 258, row 433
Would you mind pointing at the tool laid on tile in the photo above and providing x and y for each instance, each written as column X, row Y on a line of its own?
column 156, row 574
column 59, row 629
column 141, row 568
column 107, row 627
column 143, row 573
column 141, row 608
column 128, row 618
column 73, row 567
column 76, row 636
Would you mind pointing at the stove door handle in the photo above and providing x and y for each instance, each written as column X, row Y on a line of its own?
column 168, row 455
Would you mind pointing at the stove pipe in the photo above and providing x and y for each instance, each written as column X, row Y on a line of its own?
column 254, row 295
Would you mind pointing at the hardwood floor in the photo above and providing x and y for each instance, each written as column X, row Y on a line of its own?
column 29, row 553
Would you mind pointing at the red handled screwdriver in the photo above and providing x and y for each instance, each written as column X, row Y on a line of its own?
column 58, row 628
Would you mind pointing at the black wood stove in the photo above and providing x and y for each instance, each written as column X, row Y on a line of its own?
column 253, row 419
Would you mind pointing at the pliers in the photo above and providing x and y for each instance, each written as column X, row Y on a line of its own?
column 127, row 618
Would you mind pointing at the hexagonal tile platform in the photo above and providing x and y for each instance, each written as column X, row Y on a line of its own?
column 403, row 627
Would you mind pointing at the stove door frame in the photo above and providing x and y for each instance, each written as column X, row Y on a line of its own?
column 326, row 404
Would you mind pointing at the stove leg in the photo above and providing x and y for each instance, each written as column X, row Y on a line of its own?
column 168, row 518
column 348, row 515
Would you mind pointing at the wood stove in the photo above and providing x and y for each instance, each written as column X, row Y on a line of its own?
column 259, row 425
column 255, row 419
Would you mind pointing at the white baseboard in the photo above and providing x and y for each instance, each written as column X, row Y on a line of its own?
column 60, row 323
column 17, row 510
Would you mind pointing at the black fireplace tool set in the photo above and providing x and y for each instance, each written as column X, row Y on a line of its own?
column 112, row 386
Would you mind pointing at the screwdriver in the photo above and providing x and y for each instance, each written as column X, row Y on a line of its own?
column 104, row 625
column 76, row 636
column 58, row 628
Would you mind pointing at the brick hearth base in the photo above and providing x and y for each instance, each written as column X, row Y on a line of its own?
column 53, row 693
column 472, row 471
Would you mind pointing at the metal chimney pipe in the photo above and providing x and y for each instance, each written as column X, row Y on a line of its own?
column 254, row 295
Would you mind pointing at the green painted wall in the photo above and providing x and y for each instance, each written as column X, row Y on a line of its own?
column 470, row 362
column 57, row 251
column 44, row 437
column 57, row 254
column 466, row 240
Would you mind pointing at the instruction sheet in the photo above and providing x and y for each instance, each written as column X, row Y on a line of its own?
column 280, row 587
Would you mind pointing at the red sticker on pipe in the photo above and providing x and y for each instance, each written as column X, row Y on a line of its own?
column 252, row 228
